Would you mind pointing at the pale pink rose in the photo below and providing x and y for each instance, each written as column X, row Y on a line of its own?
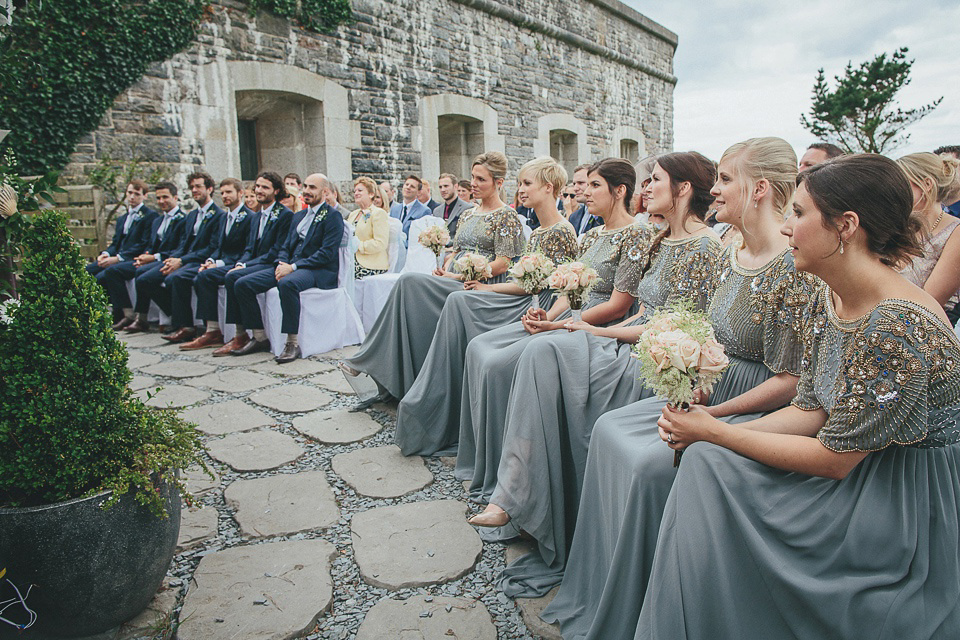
column 689, row 350
column 571, row 282
column 713, row 359
column 671, row 341
column 587, row 279
column 660, row 357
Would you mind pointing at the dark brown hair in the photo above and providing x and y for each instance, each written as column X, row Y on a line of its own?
column 616, row 172
column 208, row 181
column 169, row 186
column 832, row 150
column 233, row 182
column 139, row 185
column 277, row 182
column 695, row 168
column 417, row 178
column 295, row 177
column 877, row 190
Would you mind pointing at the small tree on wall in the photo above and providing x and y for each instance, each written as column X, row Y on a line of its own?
column 861, row 113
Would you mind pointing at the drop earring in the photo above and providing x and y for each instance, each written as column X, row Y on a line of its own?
column 840, row 238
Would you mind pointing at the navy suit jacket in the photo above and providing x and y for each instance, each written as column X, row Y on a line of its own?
column 230, row 246
column 264, row 250
column 576, row 219
column 198, row 247
column 320, row 249
column 172, row 235
column 415, row 210
column 129, row 245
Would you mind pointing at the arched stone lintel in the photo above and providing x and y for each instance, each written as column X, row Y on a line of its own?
column 426, row 138
column 562, row 121
column 623, row 132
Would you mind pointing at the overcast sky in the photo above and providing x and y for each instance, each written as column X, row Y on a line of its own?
column 746, row 67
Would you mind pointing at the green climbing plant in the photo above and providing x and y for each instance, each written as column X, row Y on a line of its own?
column 320, row 15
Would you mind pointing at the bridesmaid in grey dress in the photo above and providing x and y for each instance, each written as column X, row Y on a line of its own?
column 756, row 312
column 839, row 516
column 397, row 344
column 428, row 418
column 618, row 251
column 564, row 382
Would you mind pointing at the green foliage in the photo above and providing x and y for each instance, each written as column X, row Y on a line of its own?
column 861, row 113
column 68, row 60
column 69, row 424
column 320, row 15
column 114, row 171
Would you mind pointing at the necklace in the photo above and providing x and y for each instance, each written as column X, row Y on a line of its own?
column 937, row 223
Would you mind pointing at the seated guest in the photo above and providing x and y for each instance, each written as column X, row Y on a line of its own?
column 818, row 153
column 409, row 209
column 292, row 200
column 234, row 240
column 527, row 213
column 425, row 197
column 581, row 219
column 164, row 233
column 309, row 258
column 465, row 191
column 379, row 199
column 250, row 197
column 452, row 205
column 170, row 283
column 389, row 195
column 952, row 201
column 568, row 202
column 268, row 233
column 372, row 231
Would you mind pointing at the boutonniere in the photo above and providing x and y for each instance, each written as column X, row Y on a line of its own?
column 241, row 216
column 273, row 215
column 320, row 215
column 137, row 216
column 177, row 215
column 208, row 214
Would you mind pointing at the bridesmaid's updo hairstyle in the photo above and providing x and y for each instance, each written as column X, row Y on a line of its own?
column 494, row 162
column 876, row 189
column 771, row 159
column 616, row 172
column 934, row 175
column 695, row 168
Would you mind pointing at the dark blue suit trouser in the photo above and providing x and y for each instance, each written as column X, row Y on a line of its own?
column 114, row 280
column 289, row 289
column 230, row 282
column 207, row 286
column 180, row 283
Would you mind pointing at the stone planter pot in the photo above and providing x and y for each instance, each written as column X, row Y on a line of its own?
column 92, row 569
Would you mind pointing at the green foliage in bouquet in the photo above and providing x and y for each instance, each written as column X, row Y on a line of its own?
column 69, row 424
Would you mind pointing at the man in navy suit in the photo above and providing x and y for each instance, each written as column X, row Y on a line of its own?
column 409, row 209
column 426, row 196
column 310, row 257
column 234, row 238
column 158, row 284
column 581, row 220
column 268, row 234
column 130, row 239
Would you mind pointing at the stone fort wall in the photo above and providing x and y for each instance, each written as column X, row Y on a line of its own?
column 411, row 86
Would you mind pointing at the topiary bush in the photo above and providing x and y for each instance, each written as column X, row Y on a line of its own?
column 69, row 424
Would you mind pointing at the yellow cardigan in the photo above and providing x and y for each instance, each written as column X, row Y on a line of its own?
column 373, row 234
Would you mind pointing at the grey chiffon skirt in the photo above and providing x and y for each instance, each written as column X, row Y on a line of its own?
column 628, row 477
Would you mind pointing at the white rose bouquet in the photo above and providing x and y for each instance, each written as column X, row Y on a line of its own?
column 473, row 266
column 573, row 280
column 531, row 272
column 680, row 355
column 435, row 238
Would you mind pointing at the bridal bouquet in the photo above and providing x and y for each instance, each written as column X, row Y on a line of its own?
column 679, row 355
column 435, row 238
column 473, row 266
column 530, row 273
column 573, row 280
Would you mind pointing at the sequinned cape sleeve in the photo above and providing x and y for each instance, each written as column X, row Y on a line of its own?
column 634, row 245
column 559, row 243
column 781, row 305
column 507, row 230
column 892, row 374
column 693, row 272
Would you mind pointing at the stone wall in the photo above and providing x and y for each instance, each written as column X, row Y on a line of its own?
column 366, row 99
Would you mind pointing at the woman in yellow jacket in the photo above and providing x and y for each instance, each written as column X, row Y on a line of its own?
column 372, row 230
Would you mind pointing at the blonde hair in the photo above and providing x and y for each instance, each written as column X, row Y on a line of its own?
column 771, row 159
column 934, row 175
column 494, row 162
column 546, row 170
column 369, row 185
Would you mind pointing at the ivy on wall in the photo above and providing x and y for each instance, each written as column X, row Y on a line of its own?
column 64, row 62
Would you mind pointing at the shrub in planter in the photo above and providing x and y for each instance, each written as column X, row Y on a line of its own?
column 69, row 425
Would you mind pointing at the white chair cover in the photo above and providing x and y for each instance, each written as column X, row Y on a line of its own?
column 328, row 318
column 395, row 245
column 526, row 229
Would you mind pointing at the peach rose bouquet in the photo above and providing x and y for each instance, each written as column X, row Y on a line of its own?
column 679, row 355
column 436, row 239
column 573, row 280
column 473, row 266
column 531, row 272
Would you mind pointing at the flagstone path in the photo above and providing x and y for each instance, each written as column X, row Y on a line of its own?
column 315, row 525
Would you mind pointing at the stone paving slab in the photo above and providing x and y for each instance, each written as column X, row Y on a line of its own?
column 227, row 417
column 233, row 381
column 295, row 369
column 178, row 369
column 333, row 381
column 283, row 504
column 341, row 354
column 137, row 359
column 242, row 361
column 530, row 610
column 269, row 591
column 415, row 544
column 255, row 450
column 292, row 398
column 174, row 396
column 168, row 347
column 382, row 472
column 143, row 382
column 197, row 525
column 426, row 618
column 337, row 427
column 142, row 340
column 198, row 482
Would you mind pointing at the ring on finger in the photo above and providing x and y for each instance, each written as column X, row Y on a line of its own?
column 670, row 438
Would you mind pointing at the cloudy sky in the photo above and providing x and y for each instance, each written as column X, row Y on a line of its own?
column 746, row 67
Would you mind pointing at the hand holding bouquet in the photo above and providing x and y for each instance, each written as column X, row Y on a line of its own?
column 680, row 355
column 435, row 238
column 473, row 266
column 573, row 280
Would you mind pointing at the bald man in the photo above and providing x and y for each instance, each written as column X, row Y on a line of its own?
column 309, row 258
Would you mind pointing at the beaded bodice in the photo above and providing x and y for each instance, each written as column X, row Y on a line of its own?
column 618, row 256
column 684, row 268
column 492, row 234
column 889, row 377
column 558, row 242
column 920, row 268
column 757, row 313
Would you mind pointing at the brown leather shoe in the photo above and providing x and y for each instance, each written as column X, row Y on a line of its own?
column 253, row 346
column 122, row 324
column 290, row 353
column 181, row 335
column 209, row 339
column 239, row 342
column 137, row 326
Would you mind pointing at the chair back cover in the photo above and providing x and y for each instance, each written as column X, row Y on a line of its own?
column 419, row 258
column 395, row 245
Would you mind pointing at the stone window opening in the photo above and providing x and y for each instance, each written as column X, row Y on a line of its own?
column 630, row 150
column 460, row 141
column 285, row 130
column 564, row 148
